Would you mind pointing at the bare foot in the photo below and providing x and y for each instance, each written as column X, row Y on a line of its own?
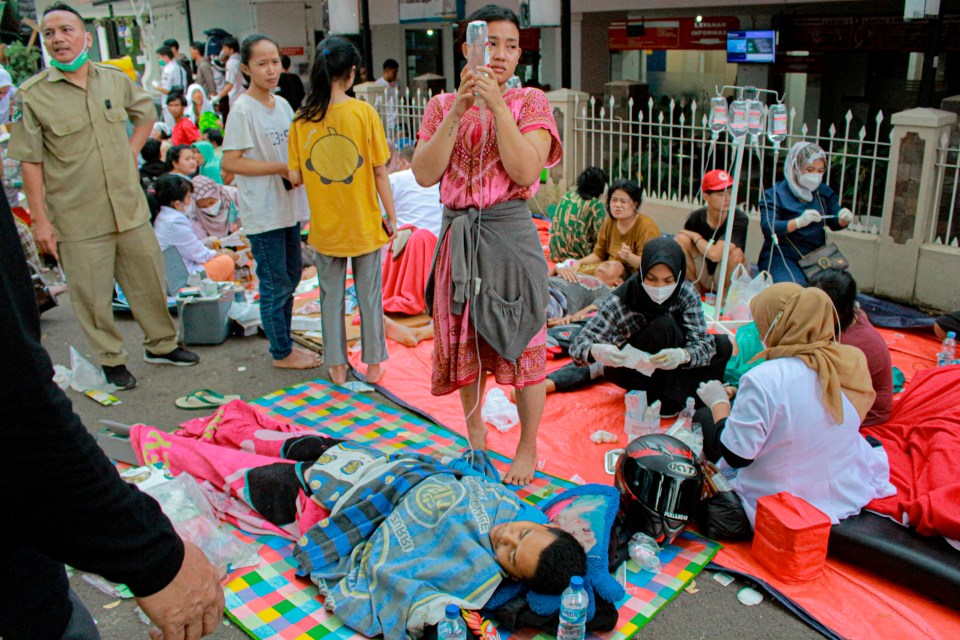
column 338, row 373
column 399, row 333
column 523, row 467
column 374, row 373
column 298, row 360
column 423, row 333
column 309, row 354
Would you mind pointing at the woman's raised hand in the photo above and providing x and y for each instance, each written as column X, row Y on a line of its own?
column 465, row 94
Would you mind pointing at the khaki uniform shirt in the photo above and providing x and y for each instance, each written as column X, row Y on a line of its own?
column 80, row 135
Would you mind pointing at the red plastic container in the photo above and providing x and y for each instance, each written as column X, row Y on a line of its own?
column 790, row 537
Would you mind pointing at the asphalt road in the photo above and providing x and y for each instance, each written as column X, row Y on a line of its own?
column 242, row 365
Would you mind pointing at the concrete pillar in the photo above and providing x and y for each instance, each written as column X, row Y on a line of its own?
column 371, row 92
column 566, row 103
column 911, row 201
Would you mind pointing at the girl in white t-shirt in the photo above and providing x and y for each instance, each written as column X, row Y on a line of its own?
column 795, row 424
column 255, row 150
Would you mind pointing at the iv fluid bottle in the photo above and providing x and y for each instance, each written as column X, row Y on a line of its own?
column 737, row 118
column 755, row 119
column 777, row 123
column 718, row 115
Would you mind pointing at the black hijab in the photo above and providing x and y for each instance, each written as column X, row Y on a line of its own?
column 657, row 251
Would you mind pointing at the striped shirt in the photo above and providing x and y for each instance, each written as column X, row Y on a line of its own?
column 615, row 323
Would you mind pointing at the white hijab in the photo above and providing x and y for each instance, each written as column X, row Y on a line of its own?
column 801, row 156
column 6, row 81
column 205, row 106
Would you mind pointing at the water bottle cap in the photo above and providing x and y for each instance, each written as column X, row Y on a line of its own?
column 452, row 611
column 952, row 334
column 576, row 582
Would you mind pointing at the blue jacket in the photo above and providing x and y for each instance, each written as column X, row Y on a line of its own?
column 789, row 207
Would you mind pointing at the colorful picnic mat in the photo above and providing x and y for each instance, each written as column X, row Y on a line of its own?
column 270, row 601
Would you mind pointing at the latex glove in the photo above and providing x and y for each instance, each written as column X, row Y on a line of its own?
column 608, row 354
column 669, row 359
column 808, row 217
column 845, row 216
column 712, row 393
column 637, row 360
column 215, row 100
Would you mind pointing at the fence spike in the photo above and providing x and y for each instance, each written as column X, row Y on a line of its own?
column 804, row 129
column 660, row 117
column 630, row 105
column 849, row 116
column 879, row 117
column 650, row 103
column 693, row 108
column 863, row 133
column 683, row 118
column 672, row 105
column 832, row 131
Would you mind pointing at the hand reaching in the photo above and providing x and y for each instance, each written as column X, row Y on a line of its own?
column 712, row 393
column 669, row 359
column 808, row 217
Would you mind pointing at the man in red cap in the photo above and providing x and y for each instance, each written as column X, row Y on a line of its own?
column 704, row 233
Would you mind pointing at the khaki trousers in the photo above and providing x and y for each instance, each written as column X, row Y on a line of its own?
column 132, row 258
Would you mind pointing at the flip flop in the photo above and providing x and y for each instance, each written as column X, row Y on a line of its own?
column 204, row 399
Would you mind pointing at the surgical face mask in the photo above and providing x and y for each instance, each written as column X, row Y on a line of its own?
column 70, row 67
column 162, row 63
column 212, row 210
column 659, row 294
column 810, row 180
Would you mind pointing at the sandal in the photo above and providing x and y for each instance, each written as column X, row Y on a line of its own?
column 204, row 399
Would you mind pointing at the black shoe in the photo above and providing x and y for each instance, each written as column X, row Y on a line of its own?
column 179, row 357
column 119, row 376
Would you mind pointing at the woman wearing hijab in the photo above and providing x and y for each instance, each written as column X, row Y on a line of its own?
column 213, row 205
column 197, row 103
column 650, row 334
column 7, row 91
column 795, row 424
column 793, row 214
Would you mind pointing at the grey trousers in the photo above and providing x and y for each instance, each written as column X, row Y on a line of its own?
column 81, row 625
column 368, row 279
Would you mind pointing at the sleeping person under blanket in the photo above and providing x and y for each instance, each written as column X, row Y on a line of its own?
column 397, row 537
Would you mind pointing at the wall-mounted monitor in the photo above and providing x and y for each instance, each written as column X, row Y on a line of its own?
column 751, row 46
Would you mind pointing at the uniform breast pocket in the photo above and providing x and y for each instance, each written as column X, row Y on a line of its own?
column 67, row 139
column 116, row 115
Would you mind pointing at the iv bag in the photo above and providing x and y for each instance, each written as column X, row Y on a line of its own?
column 478, row 55
column 718, row 114
column 755, row 119
column 737, row 118
column 777, row 123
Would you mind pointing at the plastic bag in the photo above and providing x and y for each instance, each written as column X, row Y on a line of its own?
column 748, row 345
column 742, row 290
column 183, row 501
column 645, row 551
column 499, row 411
column 690, row 435
column 84, row 376
column 722, row 517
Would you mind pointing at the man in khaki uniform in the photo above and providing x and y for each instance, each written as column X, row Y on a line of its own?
column 83, row 190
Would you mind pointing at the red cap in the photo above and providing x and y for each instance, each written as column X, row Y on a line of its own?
column 716, row 180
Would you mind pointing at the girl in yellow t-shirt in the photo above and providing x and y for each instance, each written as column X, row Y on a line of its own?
column 338, row 150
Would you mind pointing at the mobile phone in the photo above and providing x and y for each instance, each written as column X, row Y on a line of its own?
column 287, row 184
column 387, row 227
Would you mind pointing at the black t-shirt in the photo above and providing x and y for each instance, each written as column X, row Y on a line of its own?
column 697, row 222
column 291, row 89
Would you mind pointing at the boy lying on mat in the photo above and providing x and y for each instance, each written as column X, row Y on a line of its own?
column 408, row 535
column 389, row 539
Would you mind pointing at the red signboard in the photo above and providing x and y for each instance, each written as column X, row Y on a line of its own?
column 671, row 33
column 291, row 51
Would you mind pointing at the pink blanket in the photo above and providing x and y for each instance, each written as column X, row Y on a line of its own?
column 922, row 441
column 218, row 451
column 405, row 279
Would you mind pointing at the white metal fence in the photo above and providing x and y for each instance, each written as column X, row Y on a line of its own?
column 669, row 149
column 946, row 226
column 409, row 114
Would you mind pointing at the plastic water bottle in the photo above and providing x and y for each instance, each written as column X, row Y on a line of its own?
column 948, row 350
column 573, row 611
column 452, row 626
column 685, row 419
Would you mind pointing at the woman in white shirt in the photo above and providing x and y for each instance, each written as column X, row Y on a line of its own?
column 173, row 229
column 795, row 424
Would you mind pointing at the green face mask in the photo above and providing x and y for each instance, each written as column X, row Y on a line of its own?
column 162, row 63
column 69, row 67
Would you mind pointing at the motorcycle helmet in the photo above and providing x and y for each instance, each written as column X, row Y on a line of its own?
column 659, row 484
